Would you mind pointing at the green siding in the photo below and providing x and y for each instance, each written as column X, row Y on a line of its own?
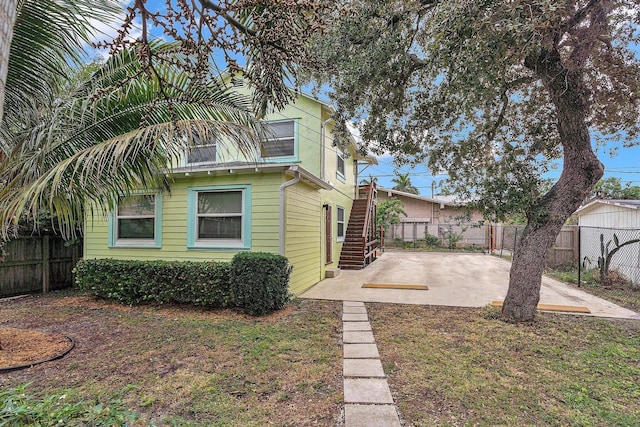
column 264, row 214
column 304, row 232
column 303, row 236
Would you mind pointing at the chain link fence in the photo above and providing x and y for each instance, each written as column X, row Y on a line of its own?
column 614, row 251
column 420, row 235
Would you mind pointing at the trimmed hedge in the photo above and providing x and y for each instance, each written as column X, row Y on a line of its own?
column 255, row 283
column 133, row 282
column 260, row 282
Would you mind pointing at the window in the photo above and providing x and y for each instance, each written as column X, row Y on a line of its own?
column 202, row 152
column 136, row 222
column 218, row 217
column 340, row 223
column 281, row 142
column 340, row 159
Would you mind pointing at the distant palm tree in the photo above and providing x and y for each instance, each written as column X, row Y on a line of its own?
column 368, row 181
column 403, row 183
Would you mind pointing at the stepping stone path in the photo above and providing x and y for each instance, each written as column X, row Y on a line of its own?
column 367, row 399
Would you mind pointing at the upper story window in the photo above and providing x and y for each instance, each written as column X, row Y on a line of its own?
column 136, row 221
column 202, row 152
column 281, row 141
column 340, row 163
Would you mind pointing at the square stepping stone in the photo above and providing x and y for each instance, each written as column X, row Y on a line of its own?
column 367, row 390
column 356, row 326
column 352, row 304
column 371, row 416
column 361, row 310
column 360, row 351
column 354, row 317
column 369, row 368
column 358, row 337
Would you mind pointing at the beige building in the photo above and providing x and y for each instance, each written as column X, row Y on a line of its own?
column 439, row 217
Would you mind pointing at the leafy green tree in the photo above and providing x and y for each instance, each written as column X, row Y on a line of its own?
column 491, row 93
column 389, row 212
column 403, row 183
column 611, row 188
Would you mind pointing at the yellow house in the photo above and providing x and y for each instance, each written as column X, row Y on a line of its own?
column 295, row 200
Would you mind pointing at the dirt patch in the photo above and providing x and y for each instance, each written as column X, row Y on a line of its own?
column 23, row 347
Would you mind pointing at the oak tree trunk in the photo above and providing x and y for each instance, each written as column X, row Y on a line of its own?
column 581, row 170
column 8, row 10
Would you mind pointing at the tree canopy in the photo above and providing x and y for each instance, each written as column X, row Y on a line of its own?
column 612, row 188
column 492, row 93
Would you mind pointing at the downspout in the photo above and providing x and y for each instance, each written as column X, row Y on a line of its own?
column 323, row 133
column 283, row 222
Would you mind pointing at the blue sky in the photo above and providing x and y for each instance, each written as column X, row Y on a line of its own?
column 625, row 164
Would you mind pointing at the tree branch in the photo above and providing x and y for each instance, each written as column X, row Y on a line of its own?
column 579, row 16
column 208, row 4
column 505, row 103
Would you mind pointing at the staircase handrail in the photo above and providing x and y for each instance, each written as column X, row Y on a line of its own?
column 367, row 218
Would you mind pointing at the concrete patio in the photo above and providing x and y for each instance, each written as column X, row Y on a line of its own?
column 453, row 279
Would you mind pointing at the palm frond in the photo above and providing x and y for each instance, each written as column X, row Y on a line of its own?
column 114, row 135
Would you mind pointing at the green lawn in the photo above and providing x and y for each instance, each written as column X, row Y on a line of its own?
column 450, row 366
column 180, row 366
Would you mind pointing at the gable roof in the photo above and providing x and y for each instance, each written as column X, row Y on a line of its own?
column 625, row 204
column 443, row 200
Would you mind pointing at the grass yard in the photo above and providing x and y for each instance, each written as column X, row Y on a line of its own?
column 183, row 366
column 180, row 366
column 454, row 367
column 619, row 291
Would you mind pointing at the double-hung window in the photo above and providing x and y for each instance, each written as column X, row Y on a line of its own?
column 341, row 232
column 219, row 217
column 136, row 221
column 281, row 141
column 340, row 164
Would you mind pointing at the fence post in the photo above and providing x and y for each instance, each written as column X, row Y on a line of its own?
column 46, row 252
column 579, row 258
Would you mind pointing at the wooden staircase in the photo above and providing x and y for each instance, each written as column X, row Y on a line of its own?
column 359, row 247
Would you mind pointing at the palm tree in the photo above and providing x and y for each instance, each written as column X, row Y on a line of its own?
column 107, row 137
column 368, row 181
column 403, row 183
column 64, row 143
column 38, row 37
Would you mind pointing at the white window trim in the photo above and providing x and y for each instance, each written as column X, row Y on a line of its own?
column 293, row 157
column 155, row 242
column 208, row 162
column 341, row 156
column 340, row 238
column 193, row 242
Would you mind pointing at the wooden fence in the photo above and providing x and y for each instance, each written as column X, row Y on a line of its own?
column 37, row 263
column 564, row 251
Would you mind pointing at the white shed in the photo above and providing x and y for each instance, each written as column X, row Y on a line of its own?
column 610, row 214
column 604, row 222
